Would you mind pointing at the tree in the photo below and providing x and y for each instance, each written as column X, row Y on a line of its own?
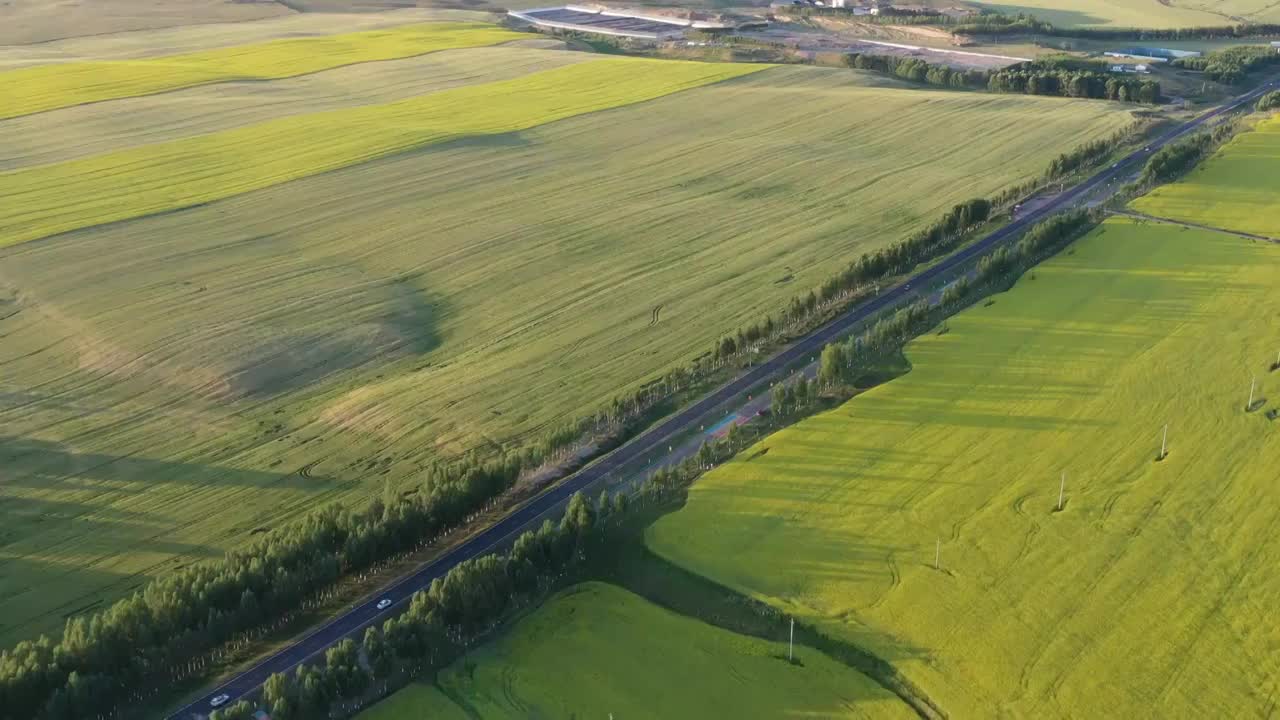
column 802, row 392
column 276, row 688
column 831, row 366
column 1149, row 92
column 579, row 517
column 378, row 653
column 727, row 348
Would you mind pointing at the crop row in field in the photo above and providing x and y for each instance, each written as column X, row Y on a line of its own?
column 47, row 87
column 75, row 132
column 348, row 323
column 191, row 38
column 596, row 650
column 1237, row 189
column 1144, row 596
column 37, row 21
column 105, row 188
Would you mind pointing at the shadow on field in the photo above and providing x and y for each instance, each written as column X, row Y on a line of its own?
column 44, row 465
column 1058, row 17
column 634, row 567
column 37, row 596
column 11, row 399
column 502, row 140
column 386, row 320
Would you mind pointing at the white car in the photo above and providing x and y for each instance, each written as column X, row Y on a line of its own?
column 384, row 603
column 220, row 700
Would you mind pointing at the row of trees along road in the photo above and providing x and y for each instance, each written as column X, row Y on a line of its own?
column 164, row 632
column 453, row 614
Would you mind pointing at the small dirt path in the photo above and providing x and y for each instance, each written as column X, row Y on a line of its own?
column 1195, row 226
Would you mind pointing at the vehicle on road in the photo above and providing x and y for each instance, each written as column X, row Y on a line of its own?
column 384, row 603
column 219, row 700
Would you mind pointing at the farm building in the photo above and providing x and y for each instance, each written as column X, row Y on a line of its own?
column 605, row 22
column 1131, row 68
column 1152, row 54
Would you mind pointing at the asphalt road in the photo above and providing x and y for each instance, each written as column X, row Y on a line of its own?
column 353, row 622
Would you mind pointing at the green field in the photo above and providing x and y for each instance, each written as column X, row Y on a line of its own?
column 597, row 650
column 1147, row 596
column 1141, row 13
column 86, row 130
column 1238, row 189
column 39, row 21
column 87, row 42
column 168, row 176
column 312, row 340
column 47, row 87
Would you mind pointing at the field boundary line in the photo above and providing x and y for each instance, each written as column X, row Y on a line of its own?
column 1194, row 226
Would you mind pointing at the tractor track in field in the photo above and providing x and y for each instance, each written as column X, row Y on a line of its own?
column 656, row 316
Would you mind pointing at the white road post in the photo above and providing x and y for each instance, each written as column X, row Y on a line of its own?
column 937, row 555
column 1062, row 488
column 1252, row 384
column 792, row 642
column 1164, row 442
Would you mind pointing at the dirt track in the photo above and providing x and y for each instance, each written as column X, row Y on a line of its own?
column 815, row 41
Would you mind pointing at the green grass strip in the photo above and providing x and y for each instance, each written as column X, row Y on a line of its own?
column 48, row 87
column 596, row 650
column 51, row 199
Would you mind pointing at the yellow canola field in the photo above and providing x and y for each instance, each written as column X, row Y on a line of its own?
column 1237, row 189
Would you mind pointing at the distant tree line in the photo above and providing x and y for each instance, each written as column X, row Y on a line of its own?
column 917, row 70
column 1027, row 24
column 997, row 24
column 1024, row 78
column 1074, row 83
column 1231, row 65
column 887, row 16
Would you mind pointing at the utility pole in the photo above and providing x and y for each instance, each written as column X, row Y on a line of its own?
column 791, row 644
column 1062, row 488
